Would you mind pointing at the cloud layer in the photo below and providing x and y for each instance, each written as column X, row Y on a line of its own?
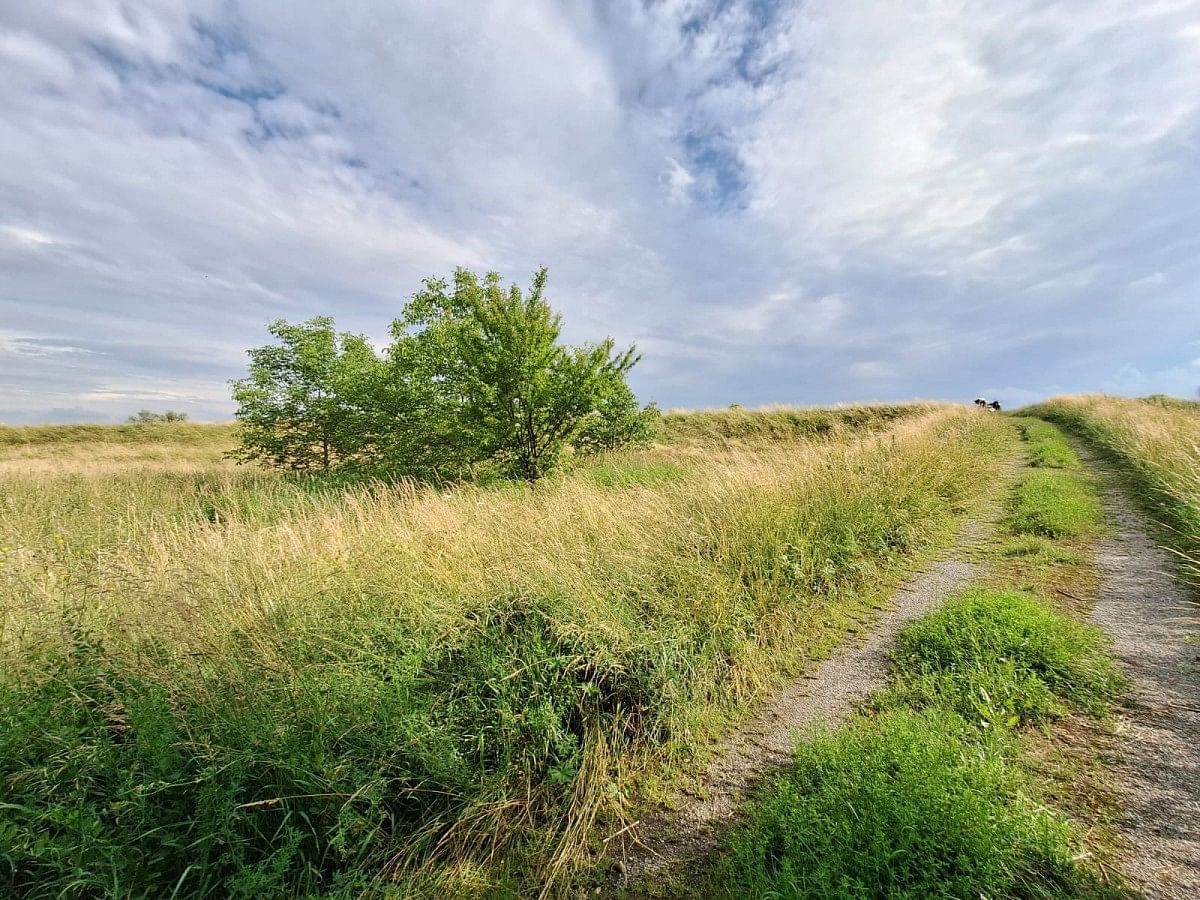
column 792, row 202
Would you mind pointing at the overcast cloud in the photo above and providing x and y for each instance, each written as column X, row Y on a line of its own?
column 779, row 202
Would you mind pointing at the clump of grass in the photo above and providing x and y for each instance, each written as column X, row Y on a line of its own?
column 1003, row 658
column 905, row 805
column 1055, row 504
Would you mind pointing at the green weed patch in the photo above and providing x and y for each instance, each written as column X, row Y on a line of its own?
column 1055, row 504
column 905, row 805
column 1003, row 658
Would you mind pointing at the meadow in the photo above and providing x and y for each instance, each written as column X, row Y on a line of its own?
column 1156, row 443
column 217, row 681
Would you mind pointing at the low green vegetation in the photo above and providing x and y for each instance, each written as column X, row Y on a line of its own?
column 925, row 796
column 187, row 434
column 228, row 683
column 901, row 805
column 1055, row 504
column 749, row 426
column 1156, row 443
column 1048, row 447
column 1003, row 658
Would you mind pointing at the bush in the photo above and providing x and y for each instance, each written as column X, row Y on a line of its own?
column 906, row 805
column 617, row 422
column 1002, row 658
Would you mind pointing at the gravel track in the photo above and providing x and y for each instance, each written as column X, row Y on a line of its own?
column 1150, row 617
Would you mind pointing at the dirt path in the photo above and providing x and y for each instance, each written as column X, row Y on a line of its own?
column 674, row 845
column 1150, row 617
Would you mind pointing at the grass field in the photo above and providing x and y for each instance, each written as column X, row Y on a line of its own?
column 222, row 682
column 1156, row 442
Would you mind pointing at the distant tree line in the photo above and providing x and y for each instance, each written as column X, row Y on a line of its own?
column 146, row 417
column 476, row 378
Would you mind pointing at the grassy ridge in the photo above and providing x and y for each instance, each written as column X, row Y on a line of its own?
column 926, row 794
column 183, row 434
column 1157, row 443
column 772, row 424
column 231, row 687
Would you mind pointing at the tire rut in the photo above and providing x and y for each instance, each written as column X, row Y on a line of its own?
column 1153, row 623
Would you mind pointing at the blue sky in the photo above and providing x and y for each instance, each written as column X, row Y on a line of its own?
column 793, row 202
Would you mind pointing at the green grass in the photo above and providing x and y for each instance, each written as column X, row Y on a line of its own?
column 1048, row 448
column 1055, row 499
column 1003, row 658
column 1055, row 504
column 903, row 805
column 1155, row 444
column 927, row 793
column 615, row 471
column 185, row 434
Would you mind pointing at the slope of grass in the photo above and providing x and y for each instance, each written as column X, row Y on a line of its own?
column 1156, row 441
column 183, row 434
column 226, row 684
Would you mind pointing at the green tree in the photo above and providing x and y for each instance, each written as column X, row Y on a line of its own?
column 309, row 401
column 617, row 421
column 505, row 387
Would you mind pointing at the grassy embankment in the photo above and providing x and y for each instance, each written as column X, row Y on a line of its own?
column 942, row 786
column 220, row 682
column 1156, row 442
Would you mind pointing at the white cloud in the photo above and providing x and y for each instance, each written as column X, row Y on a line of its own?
column 871, row 370
column 774, row 201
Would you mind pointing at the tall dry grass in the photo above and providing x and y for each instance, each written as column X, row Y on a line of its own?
column 283, row 687
column 1157, row 440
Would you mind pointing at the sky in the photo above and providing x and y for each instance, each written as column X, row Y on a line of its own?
column 778, row 202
